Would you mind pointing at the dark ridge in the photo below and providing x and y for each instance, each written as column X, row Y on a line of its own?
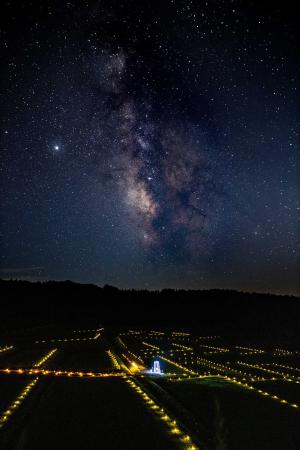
column 267, row 317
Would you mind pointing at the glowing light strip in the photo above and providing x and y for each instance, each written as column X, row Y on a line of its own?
column 254, row 350
column 183, row 347
column 261, row 392
column 44, row 341
column 240, row 383
column 24, row 393
column 207, row 337
column 16, row 403
column 135, row 356
column 185, row 369
column 214, row 365
column 45, row 358
column 97, row 335
column 133, row 366
column 47, row 372
column 285, row 352
column 65, row 340
column 224, row 368
column 6, row 348
column 87, row 331
column 291, row 378
column 114, row 361
column 220, row 349
column 184, row 439
column 281, row 365
column 151, row 346
column 178, row 333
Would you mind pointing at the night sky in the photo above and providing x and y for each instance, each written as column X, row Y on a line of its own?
column 151, row 144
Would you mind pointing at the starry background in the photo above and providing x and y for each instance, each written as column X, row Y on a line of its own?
column 151, row 144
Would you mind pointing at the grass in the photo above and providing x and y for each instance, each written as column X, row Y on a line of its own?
column 93, row 414
column 251, row 422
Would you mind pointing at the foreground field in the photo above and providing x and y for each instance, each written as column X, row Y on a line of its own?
column 89, row 389
column 92, row 414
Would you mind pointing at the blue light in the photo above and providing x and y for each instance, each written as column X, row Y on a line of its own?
column 156, row 368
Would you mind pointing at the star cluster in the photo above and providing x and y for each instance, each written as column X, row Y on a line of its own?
column 151, row 144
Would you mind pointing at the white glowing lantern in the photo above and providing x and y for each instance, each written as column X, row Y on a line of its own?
column 156, row 368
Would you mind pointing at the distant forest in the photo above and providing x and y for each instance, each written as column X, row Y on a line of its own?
column 263, row 317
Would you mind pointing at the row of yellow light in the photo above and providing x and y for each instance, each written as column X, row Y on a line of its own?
column 261, row 392
column 173, row 335
column 207, row 337
column 91, row 330
column 246, row 386
column 166, row 338
column 240, row 383
column 232, row 379
column 220, row 349
column 159, row 351
column 183, row 347
column 39, row 371
column 247, row 353
column 178, row 333
column 286, row 376
column 148, row 350
column 211, row 352
column 179, row 338
column 6, row 348
column 253, row 350
column 65, row 340
column 152, row 346
column 235, row 381
column 156, row 335
column 16, row 403
column 185, row 369
column 133, row 366
column 181, row 354
column 284, row 352
column 212, row 364
column 23, row 394
column 45, row 358
column 184, row 439
column 121, row 342
column 225, row 368
column 113, row 359
column 97, row 335
column 282, row 365
column 136, row 357
column 159, row 333
column 145, row 351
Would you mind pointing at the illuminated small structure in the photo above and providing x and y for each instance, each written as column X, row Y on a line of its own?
column 156, row 368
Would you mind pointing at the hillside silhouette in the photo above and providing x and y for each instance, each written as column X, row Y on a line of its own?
column 266, row 317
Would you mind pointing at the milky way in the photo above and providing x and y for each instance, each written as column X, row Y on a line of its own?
column 151, row 144
column 162, row 167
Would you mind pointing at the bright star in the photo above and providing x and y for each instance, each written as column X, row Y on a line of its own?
column 56, row 147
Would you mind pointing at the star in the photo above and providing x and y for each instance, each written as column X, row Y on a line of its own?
column 180, row 147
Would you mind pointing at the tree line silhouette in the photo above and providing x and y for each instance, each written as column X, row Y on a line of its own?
column 269, row 318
